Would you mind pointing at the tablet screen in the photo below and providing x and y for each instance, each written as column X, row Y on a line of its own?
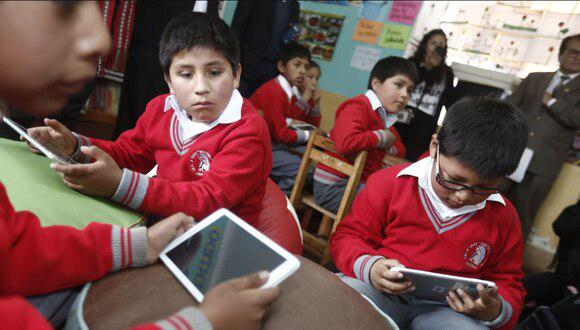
column 222, row 251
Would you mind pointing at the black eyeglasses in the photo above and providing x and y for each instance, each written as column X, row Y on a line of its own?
column 456, row 186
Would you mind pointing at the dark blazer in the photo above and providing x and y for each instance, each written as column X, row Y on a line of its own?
column 252, row 24
column 552, row 129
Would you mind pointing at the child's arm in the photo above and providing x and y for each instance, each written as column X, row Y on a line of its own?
column 241, row 166
column 351, row 133
column 306, row 111
column 37, row 260
column 353, row 245
column 505, row 270
column 398, row 148
column 276, row 119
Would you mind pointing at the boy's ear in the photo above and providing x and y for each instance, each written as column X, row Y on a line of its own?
column 168, row 81
column 375, row 84
column 433, row 146
column 281, row 67
column 237, row 76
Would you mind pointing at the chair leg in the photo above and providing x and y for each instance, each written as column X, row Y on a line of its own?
column 325, row 226
column 325, row 255
column 306, row 218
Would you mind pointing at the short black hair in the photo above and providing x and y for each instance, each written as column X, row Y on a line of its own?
column 313, row 64
column 487, row 135
column 292, row 50
column 564, row 44
column 392, row 66
column 194, row 29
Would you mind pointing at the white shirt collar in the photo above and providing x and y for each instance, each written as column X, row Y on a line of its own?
column 571, row 75
column 376, row 104
column 189, row 129
column 422, row 170
column 285, row 85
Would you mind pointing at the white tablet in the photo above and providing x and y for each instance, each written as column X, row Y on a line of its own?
column 435, row 286
column 222, row 247
column 48, row 148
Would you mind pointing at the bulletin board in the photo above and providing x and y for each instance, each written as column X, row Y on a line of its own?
column 370, row 31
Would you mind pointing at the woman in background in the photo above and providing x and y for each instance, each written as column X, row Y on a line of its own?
column 434, row 90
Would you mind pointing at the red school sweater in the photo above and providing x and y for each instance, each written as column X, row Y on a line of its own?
column 36, row 260
column 227, row 166
column 357, row 128
column 274, row 103
column 391, row 218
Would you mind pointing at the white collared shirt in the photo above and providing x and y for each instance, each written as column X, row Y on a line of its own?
column 200, row 6
column 285, row 86
column 556, row 80
column 422, row 170
column 189, row 129
column 376, row 104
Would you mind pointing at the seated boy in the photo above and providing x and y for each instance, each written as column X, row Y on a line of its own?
column 36, row 260
column 277, row 100
column 211, row 146
column 365, row 123
column 442, row 214
column 308, row 96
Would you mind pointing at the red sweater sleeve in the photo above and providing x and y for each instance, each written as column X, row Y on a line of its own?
column 400, row 149
column 273, row 103
column 361, row 231
column 17, row 313
column 233, row 177
column 130, row 150
column 350, row 132
column 305, row 112
column 36, row 260
column 506, row 269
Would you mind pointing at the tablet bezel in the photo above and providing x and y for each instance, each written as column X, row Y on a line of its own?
column 280, row 273
column 438, row 276
column 22, row 131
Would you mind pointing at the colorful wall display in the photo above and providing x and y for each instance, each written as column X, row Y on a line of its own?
column 367, row 31
column 395, row 36
column 319, row 33
column 404, row 12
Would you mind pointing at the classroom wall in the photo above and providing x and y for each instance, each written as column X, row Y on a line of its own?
column 339, row 79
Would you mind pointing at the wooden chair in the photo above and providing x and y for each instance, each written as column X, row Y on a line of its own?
column 317, row 244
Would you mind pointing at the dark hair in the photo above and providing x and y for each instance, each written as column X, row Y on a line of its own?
column 194, row 29
column 487, row 135
column 438, row 73
column 292, row 50
column 564, row 44
column 313, row 64
column 391, row 66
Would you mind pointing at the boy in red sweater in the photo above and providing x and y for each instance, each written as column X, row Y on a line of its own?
column 36, row 260
column 211, row 146
column 278, row 99
column 365, row 123
column 443, row 214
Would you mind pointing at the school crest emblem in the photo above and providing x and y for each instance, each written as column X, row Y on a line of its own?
column 476, row 255
column 199, row 162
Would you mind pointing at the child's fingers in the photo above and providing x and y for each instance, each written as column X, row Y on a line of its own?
column 75, row 170
column 455, row 302
column 55, row 125
column 483, row 295
column 264, row 297
column 72, row 185
column 394, row 287
column 466, row 299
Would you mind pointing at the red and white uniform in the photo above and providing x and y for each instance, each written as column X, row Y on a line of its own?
column 277, row 101
column 395, row 217
column 36, row 260
column 201, row 167
column 360, row 126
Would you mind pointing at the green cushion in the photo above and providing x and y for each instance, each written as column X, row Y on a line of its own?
column 33, row 186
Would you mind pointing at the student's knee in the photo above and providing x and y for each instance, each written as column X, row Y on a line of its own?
column 444, row 319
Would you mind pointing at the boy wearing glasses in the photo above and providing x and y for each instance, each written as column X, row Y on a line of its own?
column 442, row 214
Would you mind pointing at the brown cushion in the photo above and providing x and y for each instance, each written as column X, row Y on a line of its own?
column 313, row 298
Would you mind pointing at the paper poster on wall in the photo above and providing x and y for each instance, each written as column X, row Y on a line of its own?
column 374, row 10
column 543, row 51
column 364, row 57
column 319, row 33
column 367, row 31
column 511, row 48
column 395, row 36
column 404, row 12
column 479, row 41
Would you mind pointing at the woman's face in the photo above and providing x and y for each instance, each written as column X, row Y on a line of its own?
column 434, row 42
column 49, row 52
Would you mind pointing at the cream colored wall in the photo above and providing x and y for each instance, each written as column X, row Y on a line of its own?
column 329, row 102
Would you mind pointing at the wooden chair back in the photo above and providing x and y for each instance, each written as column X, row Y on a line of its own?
column 317, row 244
